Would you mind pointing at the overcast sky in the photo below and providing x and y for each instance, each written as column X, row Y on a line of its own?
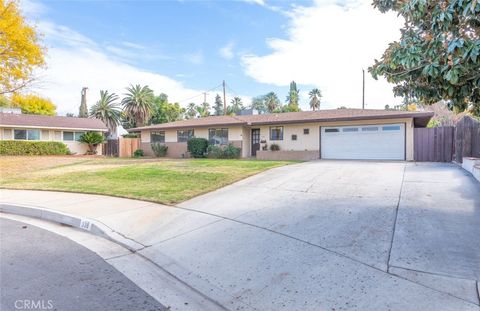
column 185, row 48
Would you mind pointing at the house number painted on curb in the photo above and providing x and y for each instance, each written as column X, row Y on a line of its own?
column 85, row 224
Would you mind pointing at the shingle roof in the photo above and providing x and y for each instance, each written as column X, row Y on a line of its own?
column 41, row 121
column 421, row 118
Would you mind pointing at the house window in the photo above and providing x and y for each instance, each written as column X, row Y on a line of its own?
column 332, row 130
column 391, row 128
column 276, row 133
column 157, row 137
column 306, row 131
column 26, row 134
column 294, row 137
column 184, row 135
column 218, row 136
column 71, row 136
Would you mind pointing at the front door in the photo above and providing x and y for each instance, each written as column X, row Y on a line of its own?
column 255, row 141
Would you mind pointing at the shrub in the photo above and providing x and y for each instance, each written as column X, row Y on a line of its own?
column 92, row 139
column 159, row 149
column 274, row 147
column 22, row 147
column 197, row 147
column 130, row 135
column 225, row 152
column 138, row 153
column 231, row 152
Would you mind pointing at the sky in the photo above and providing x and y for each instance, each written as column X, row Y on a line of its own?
column 185, row 48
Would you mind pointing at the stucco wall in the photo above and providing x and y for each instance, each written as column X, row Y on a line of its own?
column 53, row 135
column 311, row 141
column 288, row 155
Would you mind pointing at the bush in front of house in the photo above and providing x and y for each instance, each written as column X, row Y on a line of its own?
column 274, row 147
column 159, row 150
column 92, row 139
column 225, row 152
column 138, row 153
column 197, row 147
column 24, row 147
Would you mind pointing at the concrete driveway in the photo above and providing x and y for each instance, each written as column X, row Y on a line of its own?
column 335, row 235
column 323, row 235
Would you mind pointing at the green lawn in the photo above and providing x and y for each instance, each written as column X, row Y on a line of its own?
column 164, row 181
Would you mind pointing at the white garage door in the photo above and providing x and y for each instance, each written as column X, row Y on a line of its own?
column 370, row 142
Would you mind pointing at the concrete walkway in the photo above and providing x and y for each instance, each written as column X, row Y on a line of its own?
column 318, row 235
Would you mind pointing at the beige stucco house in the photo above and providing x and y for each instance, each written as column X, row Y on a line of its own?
column 16, row 126
column 324, row 134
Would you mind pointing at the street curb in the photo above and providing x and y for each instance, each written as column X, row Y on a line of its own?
column 86, row 224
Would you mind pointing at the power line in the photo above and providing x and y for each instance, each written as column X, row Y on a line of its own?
column 199, row 94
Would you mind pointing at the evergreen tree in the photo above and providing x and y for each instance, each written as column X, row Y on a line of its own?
column 218, row 106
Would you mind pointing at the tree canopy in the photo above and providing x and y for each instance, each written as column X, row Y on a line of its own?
column 293, row 98
column 218, row 106
column 33, row 104
column 164, row 112
column 108, row 110
column 20, row 49
column 138, row 104
column 438, row 55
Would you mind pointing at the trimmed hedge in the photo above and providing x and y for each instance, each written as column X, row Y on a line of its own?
column 223, row 152
column 24, row 147
column 197, row 147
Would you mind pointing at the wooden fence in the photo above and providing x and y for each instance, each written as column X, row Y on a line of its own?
column 434, row 144
column 467, row 138
column 448, row 143
column 121, row 147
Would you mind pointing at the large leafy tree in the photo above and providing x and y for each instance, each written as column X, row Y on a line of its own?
column 164, row 112
column 33, row 104
column 20, row 49
column 292, row 97
column 138, row 104
column 218, row 106
column 108, row 110
column 315, row 98
column 438, row 55
column 272, row 102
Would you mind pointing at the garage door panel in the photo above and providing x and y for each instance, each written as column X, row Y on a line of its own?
column 369, row 142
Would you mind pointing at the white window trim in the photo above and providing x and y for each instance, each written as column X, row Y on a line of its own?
column 27, row 129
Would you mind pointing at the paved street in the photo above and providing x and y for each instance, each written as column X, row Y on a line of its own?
column 328, row 235
column 44, row 271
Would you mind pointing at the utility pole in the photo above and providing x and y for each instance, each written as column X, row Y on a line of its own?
column 224, row 100
column 363, row 89
column 204, row 97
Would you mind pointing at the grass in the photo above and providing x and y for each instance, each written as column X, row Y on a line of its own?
column 165, row 181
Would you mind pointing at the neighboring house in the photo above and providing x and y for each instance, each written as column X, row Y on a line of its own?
column 15, row 126
column 325, row 134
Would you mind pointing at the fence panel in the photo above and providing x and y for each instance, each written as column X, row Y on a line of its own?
column 433, row 144
column 110, row 148
column 127, row 146
column 467, row 138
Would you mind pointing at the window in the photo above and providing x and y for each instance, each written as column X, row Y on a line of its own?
column 306, row 131
column 68, row 136
column 350, row 129
column 218, row 136
column 332, row 130
column 157, row 137
column 370, row 129
column 26, row 134
column 78, row 135
column 276, row 133
column 184, row 135
column 71, row 136
column 391, row 128
column 294, row 137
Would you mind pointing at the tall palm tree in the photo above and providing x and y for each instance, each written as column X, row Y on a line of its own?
column 203, row 110
column 108, row 110
column 272, row 102
column 236, row 106
column 315, row 97
column 138, row 103
column 191, row 111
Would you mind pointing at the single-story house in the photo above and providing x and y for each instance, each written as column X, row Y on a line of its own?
column 306, row 135
column 17, row 126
